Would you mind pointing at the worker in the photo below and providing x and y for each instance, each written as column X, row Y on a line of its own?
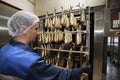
column 18, row 59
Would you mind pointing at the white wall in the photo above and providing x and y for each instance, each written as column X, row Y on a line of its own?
column 22, row 4
column 32, row 1
column 43, row 6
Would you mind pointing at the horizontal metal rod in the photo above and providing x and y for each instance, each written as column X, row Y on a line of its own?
column 60, row 67
column 60, row 13
column 85, row 52
column 82, row 31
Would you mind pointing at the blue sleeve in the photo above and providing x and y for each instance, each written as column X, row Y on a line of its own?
column 17, row 64
column 42, row 71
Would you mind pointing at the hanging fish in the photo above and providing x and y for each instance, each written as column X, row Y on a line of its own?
column 55, row 35
column 66, row 22
column 40, row 37
column 73, row 20
column 68, row 36
column 83, row 18
column 47, row 21
column 43, row 38
column 78, row 37
column 47, row 36
column 43, row 51
column 69, row 62
column 58, row 23
column 63, row 19
column 60, row 35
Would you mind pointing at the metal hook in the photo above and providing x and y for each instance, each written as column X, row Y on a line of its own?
column 46, row 13
column 71, row 8
column 79, row 6
column 62, row 9
column 83, row 6
column 54, row 11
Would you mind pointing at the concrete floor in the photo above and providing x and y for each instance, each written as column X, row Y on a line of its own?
column 113, row 72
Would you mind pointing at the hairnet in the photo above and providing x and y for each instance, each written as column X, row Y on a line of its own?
column 21, row 18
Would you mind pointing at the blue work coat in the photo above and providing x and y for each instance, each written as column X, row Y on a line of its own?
column 18, row 59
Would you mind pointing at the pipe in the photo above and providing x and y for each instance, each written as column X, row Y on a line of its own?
column 106, row 2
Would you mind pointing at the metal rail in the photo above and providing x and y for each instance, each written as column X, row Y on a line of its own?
column 60, row 13
column 82, row 31
column 85, row 52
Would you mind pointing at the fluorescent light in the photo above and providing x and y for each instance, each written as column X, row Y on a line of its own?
column 99, row 31
column 4, row 17
column 3, row 28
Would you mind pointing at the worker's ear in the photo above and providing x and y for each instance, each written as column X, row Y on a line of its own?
column 22, row 28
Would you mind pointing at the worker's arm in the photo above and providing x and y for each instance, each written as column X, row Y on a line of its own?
column 42, row 71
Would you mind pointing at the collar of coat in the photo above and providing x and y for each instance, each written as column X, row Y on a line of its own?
column 20, row 45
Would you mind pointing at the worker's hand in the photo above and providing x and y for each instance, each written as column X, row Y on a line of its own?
column 86, row 68
column 84, row 76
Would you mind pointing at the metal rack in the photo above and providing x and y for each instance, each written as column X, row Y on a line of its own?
column 82, row 52
column 82, row 31
column 113, row 49
column 61, row 53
